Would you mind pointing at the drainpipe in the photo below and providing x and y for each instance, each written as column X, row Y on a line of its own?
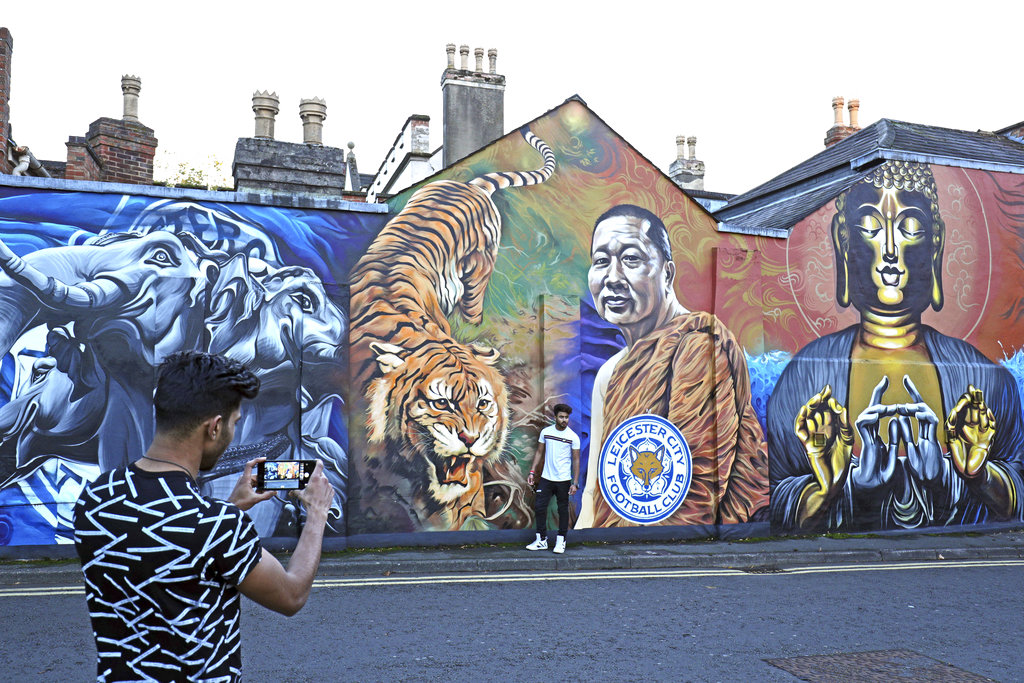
column 28, row 164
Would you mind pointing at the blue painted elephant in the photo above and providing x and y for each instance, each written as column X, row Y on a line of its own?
column 112, row 309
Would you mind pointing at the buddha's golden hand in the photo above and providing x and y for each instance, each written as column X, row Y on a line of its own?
column 970, row 427
column 824, row 430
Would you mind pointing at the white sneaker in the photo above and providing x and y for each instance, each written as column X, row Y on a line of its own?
column 538, row 544
column 560, row 545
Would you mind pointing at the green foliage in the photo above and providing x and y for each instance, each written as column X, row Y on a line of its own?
column 189, row 176
column 209, row 174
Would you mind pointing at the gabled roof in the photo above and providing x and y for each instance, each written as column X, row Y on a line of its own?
column 774, row 207
column 690, row 194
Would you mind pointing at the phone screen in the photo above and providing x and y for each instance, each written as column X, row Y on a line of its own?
column 284, row 475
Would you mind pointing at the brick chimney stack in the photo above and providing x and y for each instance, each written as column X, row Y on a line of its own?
column 115, row 150
column 474, row 103
column 839, row 129
column 6, row 51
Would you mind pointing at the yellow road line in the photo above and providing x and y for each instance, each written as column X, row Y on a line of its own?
column 932, row 564
column 649, row 574
column 41, row 591
column 513, row 578
column 519, row 577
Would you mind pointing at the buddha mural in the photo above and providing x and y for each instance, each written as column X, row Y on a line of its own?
column 889, row 423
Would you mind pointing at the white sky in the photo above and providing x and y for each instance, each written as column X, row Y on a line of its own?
column 753, row 81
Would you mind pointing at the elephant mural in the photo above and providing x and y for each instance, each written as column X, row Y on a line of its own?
column 278, row 319
column 282, row 325
column 112, row 309
column 87, row 324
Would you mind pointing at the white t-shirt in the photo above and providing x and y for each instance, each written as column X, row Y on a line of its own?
column 558, row 447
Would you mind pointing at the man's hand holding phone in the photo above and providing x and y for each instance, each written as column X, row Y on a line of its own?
column 311, row 488
column 245, row 494
column 318, row 495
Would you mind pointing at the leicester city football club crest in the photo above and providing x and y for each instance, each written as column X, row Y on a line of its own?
column 645, row 469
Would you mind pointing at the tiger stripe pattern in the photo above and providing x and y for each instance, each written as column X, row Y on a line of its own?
column 436, row 408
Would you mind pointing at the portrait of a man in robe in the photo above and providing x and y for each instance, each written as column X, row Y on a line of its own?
column 684, row 366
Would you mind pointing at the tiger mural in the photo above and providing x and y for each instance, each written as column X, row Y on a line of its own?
column 436, row 408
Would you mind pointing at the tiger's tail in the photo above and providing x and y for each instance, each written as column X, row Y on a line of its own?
column 500, row 180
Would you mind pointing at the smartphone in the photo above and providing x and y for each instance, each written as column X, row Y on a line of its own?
column 283, row 475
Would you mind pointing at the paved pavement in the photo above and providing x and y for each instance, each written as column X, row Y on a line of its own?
column 1004, row 542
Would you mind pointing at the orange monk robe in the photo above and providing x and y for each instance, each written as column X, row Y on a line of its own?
column 694, row 373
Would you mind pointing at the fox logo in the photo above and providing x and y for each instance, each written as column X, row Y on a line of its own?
column 645, row 469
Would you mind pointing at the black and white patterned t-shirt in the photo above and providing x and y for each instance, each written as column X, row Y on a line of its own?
column 161, row 565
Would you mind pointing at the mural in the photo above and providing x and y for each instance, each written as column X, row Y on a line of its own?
column 531, row 332
column 97, row 289
column 864, row 373
column 890, row 423
column 680, row 365
column 437, row 409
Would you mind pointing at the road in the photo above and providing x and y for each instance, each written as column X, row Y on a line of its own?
column 659, row 625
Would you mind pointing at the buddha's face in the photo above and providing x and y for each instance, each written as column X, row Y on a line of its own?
column 890, row 249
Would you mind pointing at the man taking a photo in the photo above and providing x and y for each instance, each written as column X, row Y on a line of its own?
column 163, row 564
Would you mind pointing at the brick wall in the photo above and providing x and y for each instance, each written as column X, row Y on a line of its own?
column 125, row 150
column 837, row 133
column 82, row 163
column 6, row 50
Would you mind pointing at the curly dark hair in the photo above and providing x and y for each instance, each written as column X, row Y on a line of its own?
column 193, row 386
column 561, row 408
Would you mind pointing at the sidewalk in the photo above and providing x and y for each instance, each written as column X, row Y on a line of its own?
column 761, row 555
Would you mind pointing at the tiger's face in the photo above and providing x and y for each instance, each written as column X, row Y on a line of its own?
column 441, row 405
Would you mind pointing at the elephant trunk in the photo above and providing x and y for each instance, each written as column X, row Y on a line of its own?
column 54, row 293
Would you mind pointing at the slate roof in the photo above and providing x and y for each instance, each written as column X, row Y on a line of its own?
column 706, row 194
column 774, row 207
column 1004, row 131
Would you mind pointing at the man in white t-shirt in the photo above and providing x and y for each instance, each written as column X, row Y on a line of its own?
column 559, row 448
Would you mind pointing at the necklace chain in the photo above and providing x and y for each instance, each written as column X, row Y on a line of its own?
column 170, row 462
